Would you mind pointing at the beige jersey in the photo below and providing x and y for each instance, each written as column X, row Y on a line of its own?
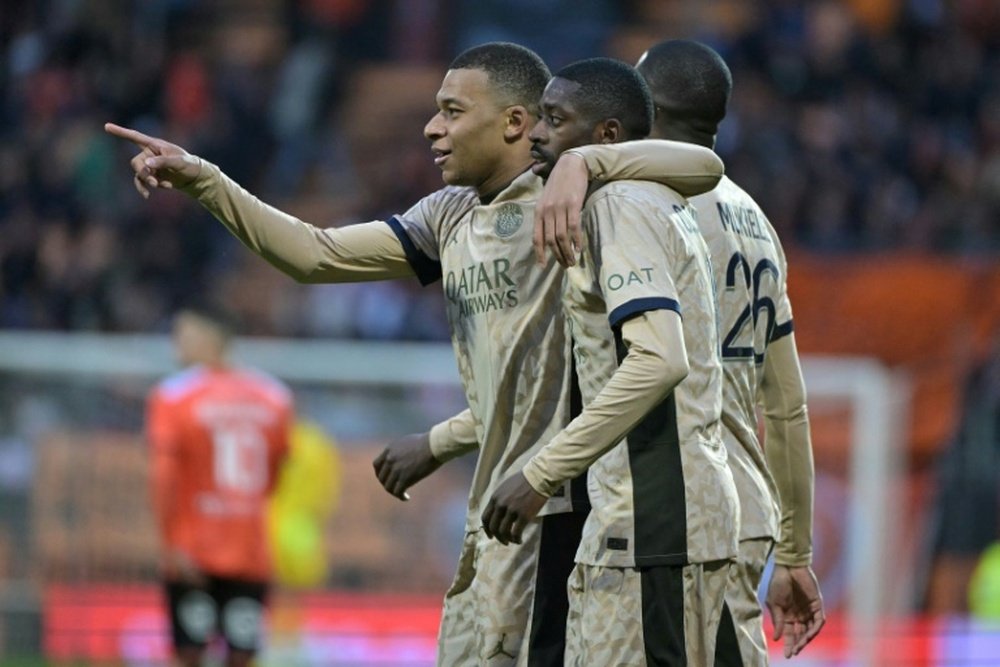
column 664, row 495
column 506, row 319
column 750, row 276
column 507, row 324
column 504, row 310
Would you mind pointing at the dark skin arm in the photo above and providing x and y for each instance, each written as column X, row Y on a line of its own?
column 513, row 505
column 404, row 462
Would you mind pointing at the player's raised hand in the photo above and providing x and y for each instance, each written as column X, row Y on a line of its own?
column 159, row 163
column 557, row 213
column 512, row 506
column 796, row 606
column 404, row 462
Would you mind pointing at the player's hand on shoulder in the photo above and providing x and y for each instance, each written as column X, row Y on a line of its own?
column 159, row 163
column 557, row 212
column 404, row 462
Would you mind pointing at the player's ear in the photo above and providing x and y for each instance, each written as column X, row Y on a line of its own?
column 609, row 131
column 518, row 122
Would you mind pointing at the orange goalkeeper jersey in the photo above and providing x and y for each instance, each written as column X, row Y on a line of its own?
column 217, row 439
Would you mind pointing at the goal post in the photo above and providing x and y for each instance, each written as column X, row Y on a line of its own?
column 878, row 400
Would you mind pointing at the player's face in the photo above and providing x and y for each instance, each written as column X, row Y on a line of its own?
column 467, row 132
column 560, row 126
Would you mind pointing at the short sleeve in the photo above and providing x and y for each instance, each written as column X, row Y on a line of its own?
column 634, row 258
column 421, row 229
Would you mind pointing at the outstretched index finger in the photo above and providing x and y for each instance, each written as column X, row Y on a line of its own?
column 138, row 138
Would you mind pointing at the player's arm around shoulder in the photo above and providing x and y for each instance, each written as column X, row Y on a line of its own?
column 687, row 168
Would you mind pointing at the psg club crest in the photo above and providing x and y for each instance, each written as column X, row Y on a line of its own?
column 509, row 219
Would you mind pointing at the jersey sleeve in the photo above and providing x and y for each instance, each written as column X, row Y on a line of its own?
column 788, row 448
column 163, row 440
column 655, row 362
column 629, row 249
column 687, row 168
column 367, row 251
column 783, row 306
column 454, row 437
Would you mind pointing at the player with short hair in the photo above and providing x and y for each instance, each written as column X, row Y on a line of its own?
column 217, row 434
column 657, row 547
column 691, row 86
column 503, row 308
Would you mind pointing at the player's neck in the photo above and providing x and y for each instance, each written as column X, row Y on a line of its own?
column 685, row 134
column 214, row 363
column 501, row 178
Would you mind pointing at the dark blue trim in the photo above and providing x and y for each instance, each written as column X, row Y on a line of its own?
column 636, row 306
column 781, row 330
column 428, row 270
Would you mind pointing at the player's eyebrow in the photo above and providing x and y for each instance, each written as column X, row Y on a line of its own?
column 553, row 106
column 450, row 101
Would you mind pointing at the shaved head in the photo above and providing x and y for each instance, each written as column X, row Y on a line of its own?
column 691, row 85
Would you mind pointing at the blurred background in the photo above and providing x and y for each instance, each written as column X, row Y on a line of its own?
column 868, row 130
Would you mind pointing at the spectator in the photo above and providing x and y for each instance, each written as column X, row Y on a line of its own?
column 857, row 125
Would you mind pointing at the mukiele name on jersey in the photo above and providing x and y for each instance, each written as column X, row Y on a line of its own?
column 743, row 221
column 481, row 287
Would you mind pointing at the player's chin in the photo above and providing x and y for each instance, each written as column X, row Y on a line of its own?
column 455, row 177
column 449, row 176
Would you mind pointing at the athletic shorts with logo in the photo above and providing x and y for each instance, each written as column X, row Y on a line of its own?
column 508, row 605
column 662, row 616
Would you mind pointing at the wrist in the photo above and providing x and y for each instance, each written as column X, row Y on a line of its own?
column 576, row 159
column 793, row 562
column 536, row 479
column 205, row 176
column 438, row 443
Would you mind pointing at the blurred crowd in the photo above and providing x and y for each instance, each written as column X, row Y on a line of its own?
column 859, row 125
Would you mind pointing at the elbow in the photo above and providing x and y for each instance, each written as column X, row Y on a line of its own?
column 296, row 270
column 676, row 370
column 670, row 371
column 794, row 413
column 301, row 274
